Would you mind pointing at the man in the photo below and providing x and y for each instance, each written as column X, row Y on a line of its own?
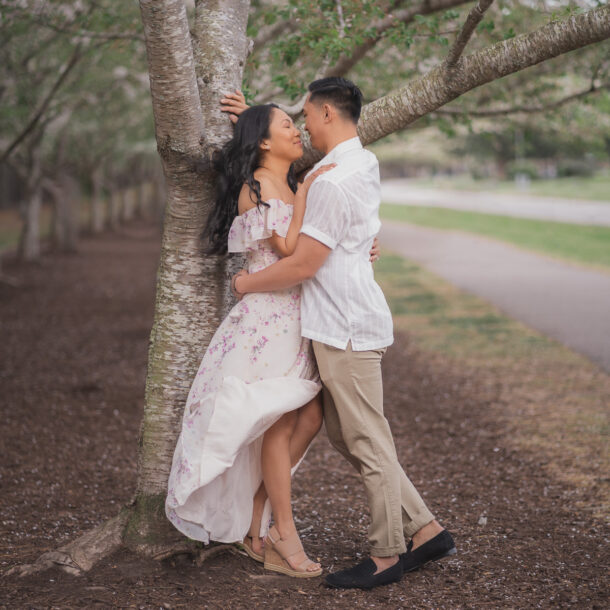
column 344, row 313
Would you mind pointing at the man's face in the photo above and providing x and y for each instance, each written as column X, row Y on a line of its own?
column 314, row 123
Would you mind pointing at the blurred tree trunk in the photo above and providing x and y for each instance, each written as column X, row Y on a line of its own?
column 115, row 203
column 65, row 193
column 29, row 240
column 129, row 204
column 96, row 218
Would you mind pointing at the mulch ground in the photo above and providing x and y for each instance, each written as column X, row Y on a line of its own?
column 74, row 337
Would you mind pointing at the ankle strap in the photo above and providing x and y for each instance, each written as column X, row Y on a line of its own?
column 289, row 546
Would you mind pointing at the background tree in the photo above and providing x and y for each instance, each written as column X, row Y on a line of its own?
column 74, row 96
column 188, row 73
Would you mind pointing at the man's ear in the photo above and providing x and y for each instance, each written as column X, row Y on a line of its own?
column 328, row 112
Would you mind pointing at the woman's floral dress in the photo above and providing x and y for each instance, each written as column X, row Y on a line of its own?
column 256, row 368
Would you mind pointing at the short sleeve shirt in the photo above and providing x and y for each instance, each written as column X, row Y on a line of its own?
column 343, row 302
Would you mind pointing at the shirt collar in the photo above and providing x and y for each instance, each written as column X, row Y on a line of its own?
column 343, row 147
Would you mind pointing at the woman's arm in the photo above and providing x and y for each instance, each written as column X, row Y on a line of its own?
column 285, row 246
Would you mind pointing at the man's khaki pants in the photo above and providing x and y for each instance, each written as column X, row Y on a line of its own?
column 358, row 429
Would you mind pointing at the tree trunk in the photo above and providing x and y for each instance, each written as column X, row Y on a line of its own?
column 115, row 203
column 65, row 194
column 129, row 204
column 96, row 220
column 29, row 240
column 191, row 292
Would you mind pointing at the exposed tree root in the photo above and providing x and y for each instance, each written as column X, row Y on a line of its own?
column 10, row 281
column 81, row 554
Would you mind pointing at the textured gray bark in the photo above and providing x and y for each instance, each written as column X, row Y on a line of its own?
column 191, row 296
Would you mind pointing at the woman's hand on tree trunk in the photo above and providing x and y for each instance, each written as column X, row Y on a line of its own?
column 234, row 104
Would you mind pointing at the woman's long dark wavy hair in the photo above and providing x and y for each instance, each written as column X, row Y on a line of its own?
column 235, row 165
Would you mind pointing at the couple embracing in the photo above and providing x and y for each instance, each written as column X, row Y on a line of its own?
column 303, row 345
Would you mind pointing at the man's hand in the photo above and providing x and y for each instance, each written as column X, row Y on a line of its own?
column 374, row 252
column 238, row 295
column 234, row 104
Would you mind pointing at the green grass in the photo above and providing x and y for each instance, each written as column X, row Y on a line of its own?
column 596, row 188
column 578, row 243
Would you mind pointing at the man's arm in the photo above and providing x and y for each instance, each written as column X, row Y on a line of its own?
column 309, row 255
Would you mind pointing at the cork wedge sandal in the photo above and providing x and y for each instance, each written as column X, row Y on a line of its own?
column 277, row 551
column 248, row 547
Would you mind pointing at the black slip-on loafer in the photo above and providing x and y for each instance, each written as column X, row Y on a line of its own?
column 362, row 576
column 436, row 548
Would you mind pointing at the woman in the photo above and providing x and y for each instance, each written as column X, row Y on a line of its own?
column 253, row 408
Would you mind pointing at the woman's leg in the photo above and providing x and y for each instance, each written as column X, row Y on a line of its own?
column 275, row 461
column 308, row 423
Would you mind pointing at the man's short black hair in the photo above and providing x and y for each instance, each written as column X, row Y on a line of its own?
column 339, row 92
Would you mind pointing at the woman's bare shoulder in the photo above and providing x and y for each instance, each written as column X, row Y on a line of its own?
column 269, row 189
column 247, row 198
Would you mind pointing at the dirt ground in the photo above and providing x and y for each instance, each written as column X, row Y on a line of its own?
column 74, row 339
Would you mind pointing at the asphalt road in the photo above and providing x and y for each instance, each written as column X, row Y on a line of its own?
column 574, row 211
column 567, row 302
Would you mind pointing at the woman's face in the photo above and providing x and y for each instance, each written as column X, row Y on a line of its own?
column 284, row 138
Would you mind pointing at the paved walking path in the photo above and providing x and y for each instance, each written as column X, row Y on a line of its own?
column 564, row 301
column 575, row 211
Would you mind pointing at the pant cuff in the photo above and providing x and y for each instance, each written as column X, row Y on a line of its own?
column 413, row 526
column 388, row 551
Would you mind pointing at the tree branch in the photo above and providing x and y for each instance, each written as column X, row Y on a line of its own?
column 407, row 15
column 400, row 108
column 521, row 108
column 473, row 19
column 270, row 33
column 93, row 35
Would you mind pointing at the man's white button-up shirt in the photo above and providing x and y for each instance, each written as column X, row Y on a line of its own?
column 343, row 302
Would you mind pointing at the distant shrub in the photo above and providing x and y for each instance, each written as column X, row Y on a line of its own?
column 575, row 167
column 521, row 167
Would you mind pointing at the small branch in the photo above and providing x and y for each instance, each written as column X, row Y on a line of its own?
column 76, row 56
column 90, row 34
column 524, row 109
column 405, row 15
column 270, row 33
column 473, row 19
column 341, row 19
column 297, row 108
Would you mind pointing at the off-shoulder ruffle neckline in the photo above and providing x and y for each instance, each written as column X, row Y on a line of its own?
column 288, row 205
